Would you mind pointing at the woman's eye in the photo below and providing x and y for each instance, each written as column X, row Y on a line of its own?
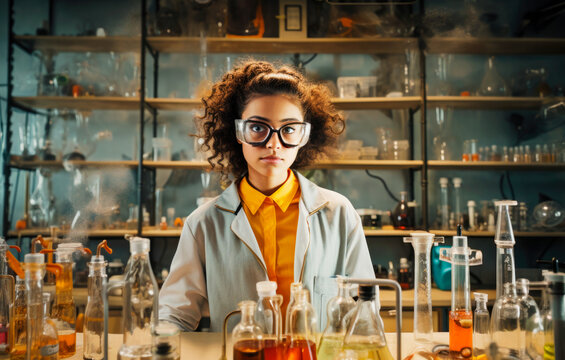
column 288, row 130
column 257, row 128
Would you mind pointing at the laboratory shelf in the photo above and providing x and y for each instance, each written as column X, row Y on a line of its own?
column 79, row 43
column 495, row 46
column 32, row 165
column 490, row 234
column 491, row 102
column 494, row 165
column 79, row 103
column 110, row 233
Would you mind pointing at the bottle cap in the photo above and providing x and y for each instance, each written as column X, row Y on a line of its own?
column 163, row 219
column 471, row 203
column 266, row 288
column 443, row 181
column 139, row 245
column 480, row 296
column 97, row 259
column 34, row 258
column 366, row 292
column 457, row 182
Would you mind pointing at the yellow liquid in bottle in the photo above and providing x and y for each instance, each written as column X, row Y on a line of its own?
column 370, row 351
column 19, row 345
column 64, row 312
column 329, row 347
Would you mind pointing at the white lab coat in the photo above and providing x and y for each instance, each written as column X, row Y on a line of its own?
column 218, row 260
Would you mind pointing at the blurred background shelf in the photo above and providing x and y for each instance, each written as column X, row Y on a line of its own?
column 491, row 102
column 495, row 46
column 494, row 165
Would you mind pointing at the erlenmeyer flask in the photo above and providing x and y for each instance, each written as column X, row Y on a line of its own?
column 268, row 317
column 365, row 333
column 41, row 201
column 332, row 338
column 423, row 322
column 247, row 336
column 530, row 320
column 504, row 240
column 505, row 327
column 493, row 84
column 303, row 328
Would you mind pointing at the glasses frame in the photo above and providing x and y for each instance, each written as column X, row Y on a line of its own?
column 240, row 126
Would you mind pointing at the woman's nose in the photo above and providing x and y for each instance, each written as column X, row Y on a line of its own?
column 274, row 142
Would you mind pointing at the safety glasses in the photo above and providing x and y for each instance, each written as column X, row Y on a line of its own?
column 258, row 133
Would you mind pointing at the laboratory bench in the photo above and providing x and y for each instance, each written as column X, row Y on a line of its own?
column 208, row 346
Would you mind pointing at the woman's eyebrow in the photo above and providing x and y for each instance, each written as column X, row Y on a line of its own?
column 256, row 117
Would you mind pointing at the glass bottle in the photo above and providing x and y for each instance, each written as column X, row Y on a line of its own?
column 141, row 296
column 34, row 272
column 365, row 333
column 530, row 320
column 505, row 327
column 556, row 287
column 547, row 322
column 18, row 322
column 423, row 322
column 294, row 288
column 332, row 337
column 303, row 328
column 64, row 309
column 461, row 315
column 247, row 337
column 481, row 325
column 444, row 203
column 41, row 201
column 49, row 344
column 493, row 84
column 457, row 200
column 538, row 154
column 6, row 298
column 405, row 274
column 268, row 317
column 93, row 333
column 504, row 240
column 400, row 213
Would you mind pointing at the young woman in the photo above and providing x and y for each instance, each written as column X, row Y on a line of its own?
column 271, row 223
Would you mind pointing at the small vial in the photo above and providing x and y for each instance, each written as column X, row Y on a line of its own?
column 481, row 153
column 554, row 154
column 466, row 151
column 163, row 223
column 494, row 154
column 511, row 153
column 545, row 155
column 537, row 154
column 474, row 150
column 516, row 157
column 471, row 206
column 527, row 154
column 486, row 155
column 505, row 154
column 481, row 333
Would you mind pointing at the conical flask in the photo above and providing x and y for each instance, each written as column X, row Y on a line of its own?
column 423, row 322
column 332, row 338
column 365, row 334
column 461, row 315
column 247, row 336
column 492, row 84
column 504, row 240
column 303, row 328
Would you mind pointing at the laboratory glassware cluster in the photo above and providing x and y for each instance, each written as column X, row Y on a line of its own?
column 517, row 328
column 536, row 153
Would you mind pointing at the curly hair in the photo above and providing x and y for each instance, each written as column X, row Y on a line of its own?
column 251, row 79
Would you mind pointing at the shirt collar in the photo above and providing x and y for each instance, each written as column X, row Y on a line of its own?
column 253, row 198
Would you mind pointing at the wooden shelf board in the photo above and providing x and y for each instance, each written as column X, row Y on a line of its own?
column 188, row 165
column 80, row 43
column 369, row 103
column 496, row 46
column 375, row 45
column 494, row 165
column 490, row 234
column 490, row 102
column 113, row 233
column 80, row 103
column 174, row 104
column 30, row 165
column 368, row 164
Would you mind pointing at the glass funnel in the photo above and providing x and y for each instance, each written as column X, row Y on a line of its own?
column 365, row 333
column 423, row 322
column 504, row 240
column 247, row 335
column 332, row 338
column 461, row 315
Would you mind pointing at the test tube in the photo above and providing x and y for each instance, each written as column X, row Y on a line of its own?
column 443, row 182
column 527, row 154
column 473, row 149
column 466, row 151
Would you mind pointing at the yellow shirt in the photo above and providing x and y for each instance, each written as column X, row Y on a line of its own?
column 274, row 220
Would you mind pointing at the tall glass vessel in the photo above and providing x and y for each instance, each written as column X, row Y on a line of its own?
column 504, row 240
column 332, row 338
column 34, row 272
column 461, row 315
column 268, row 317
column 530, row 320
column 141, row 296
column 444, row 203
column 423, row 322
column 556, row 285
column 6, row 298
column 49, row 342
column 294, row 288
column 547, row 321
column 457, row 200
column 505, row 328
column 365, row 334
column 18, row 322
column 93, row 333
column 481, row 326
column 303, row 328
column 247, row 336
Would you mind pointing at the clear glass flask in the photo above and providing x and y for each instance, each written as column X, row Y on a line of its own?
column 331, row 340
column 93, row 332
column 444, row 203
column 492, row 84
column 504, row 241
column 461, row 314
column 423, row 322
column 49, row 343
column 141, row 296
column 294, row 288
column 481, row 326
column 505, row 328
column 365, row 333
column 18, row 322
column 303, row 328
column 34, row 272
column 247, row 337
column 268, row 317
column 530, row 320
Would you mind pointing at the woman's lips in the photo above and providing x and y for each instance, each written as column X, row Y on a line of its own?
column 271, row 159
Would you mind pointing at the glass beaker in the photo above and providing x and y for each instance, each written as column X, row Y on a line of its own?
column 400, row 214
column 268, row 317
column 492, row 84
column 505, row 328
column 481, row 326
column 141, row 296
column 303, row 328
column 504, row 240
column 247, row 335
column 423, row 322
column 365, row 333
column 332, row 338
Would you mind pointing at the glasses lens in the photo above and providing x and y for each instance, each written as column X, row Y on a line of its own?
column 255, row 132
column 292, row 134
